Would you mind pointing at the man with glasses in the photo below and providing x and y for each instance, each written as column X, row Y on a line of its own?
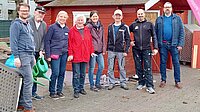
column 170, row 34
column 39, row 30
column 23, row 48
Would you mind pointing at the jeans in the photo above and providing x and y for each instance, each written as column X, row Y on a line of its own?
column 58, row 68
column 121, row 65
column 34, row 88
column 79, row 71
column 175, row 60
column 143, row 67
column 100, row 61
column 27, row 62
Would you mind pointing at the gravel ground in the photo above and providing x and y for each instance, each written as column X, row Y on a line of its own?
column 168, row 99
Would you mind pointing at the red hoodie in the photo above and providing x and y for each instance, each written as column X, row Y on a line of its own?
column 80, row 47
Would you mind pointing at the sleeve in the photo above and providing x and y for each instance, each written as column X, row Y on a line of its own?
column 154, row 38
column 70, row 41
column 14, row 37
column 47, row 41
column 44, row 32
column 104, row 41
column 181, row 38
column 108, row 39
column 127, row 39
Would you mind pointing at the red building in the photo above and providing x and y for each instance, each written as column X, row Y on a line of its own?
column 106, row 9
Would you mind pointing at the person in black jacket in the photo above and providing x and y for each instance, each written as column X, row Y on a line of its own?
column 142, row 54
column 117, row 46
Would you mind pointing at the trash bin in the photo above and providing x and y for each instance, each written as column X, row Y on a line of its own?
column 10, row 86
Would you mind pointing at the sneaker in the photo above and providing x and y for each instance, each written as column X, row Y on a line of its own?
column 125, row 87
column 37, row 97
column 61, row 95
column 20, row 108
column 54, row 96
column 139, row 87
column 178, row 85
column 99, row 87
column 150, row 90
column 76, row 95
column 83, row 92
column 162, row 84
column 94, row 89
column 111, row 87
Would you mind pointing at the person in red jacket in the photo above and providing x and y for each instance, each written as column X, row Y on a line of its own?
column 80, row 48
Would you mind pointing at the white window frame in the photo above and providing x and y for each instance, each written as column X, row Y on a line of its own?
column 75, row 13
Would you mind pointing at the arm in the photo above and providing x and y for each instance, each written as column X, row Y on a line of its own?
column 14, row 37
column 44, row 32
column 127, row 39
column 47, row 41
column 154, row 38
column 181, row 38
column 104, row 41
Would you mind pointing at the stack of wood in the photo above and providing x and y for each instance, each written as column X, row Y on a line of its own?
column 4, row 48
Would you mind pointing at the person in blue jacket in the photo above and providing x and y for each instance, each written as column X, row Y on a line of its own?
column 170, row 34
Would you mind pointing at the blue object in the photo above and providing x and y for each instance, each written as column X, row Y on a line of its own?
column 10, row 61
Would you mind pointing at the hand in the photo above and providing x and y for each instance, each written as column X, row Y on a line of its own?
column 49, row 59
column 125, row 54
column 103, row 53
column 179, row 48
column 41, row 53
column 155, row 51
column 34, row 61
column 70, row 58
column 93, row 54
column 17, row 62
column 133, row 43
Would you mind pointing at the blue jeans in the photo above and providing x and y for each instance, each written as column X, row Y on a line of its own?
column 58, row 68
column 27, row 62
column 175, row 60
column 100, row 61
column 34, row 88
column 143, row 67
column 79, row 71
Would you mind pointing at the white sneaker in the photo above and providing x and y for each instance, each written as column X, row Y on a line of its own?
column 150, row 90
column 139, row 87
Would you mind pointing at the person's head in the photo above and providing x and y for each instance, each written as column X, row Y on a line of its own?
column 140, row 15
column 80, row 20
column 94, row 16
column 62, row 17
column 117, row 16
column 39, row 13
column 23, row 10
column 167, row 8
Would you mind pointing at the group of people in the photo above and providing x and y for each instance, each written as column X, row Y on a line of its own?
column 84, row 44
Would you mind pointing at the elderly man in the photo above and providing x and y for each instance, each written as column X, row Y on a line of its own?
column 39, row 30
column 143, row 31
column 170, row 34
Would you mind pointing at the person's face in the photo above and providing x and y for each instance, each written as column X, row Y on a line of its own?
column 62, row 18
column 80, row 22
column 140, row 15
column 95, row 18
column 23, row 12
column 167, row 9
column 117, row 17
column 39, row 16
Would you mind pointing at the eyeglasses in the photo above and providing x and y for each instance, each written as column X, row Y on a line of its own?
column 24, row 10
column 168, row 7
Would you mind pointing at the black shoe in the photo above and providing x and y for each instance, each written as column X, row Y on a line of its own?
column 61, row 95
column 54, row 96
column 76, row 95
column 98, row 86
column 83, row 92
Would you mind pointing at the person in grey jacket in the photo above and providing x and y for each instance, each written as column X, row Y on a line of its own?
column 39, row 30
column 98, row 40
column 170, row 33
column 117, row 46
column 23, row 48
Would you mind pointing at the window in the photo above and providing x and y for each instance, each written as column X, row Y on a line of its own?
column 85, row 13
column 151, row 15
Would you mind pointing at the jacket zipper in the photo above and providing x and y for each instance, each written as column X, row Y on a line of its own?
column 141, row 36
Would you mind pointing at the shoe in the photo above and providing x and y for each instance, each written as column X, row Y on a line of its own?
column 20, row 108
column 29, row 111
column 150, row 90
column 139, row 87
column 61, row 95
column 111, row 87
column 76, row 95
column 54, row 96
column 162, row 84
column 37, row 97
column 99, row 87
column 125, row 87
column 83, row 92
column 94, row 89
column 178, row 85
